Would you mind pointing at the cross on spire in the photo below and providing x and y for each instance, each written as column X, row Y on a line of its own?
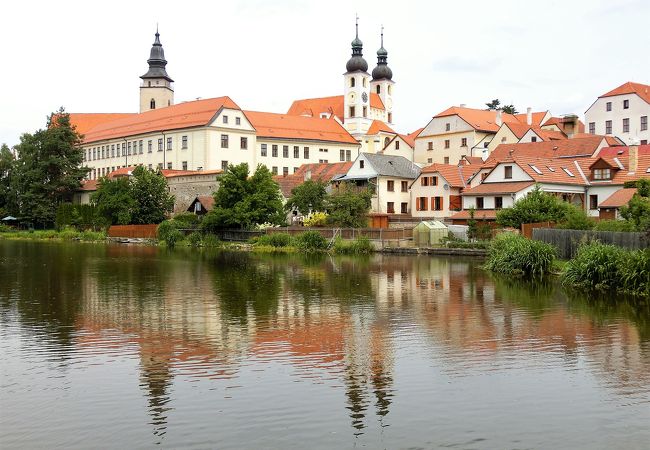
column 382, row 34
column 357, row 23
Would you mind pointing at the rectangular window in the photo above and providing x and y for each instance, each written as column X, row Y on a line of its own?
column 237, row 120
column 602, row 174
column 479, row 202
column 306, row 152
column 160, row 145
column 405, row 186
column 274, row 151
column 404, row 208
column 429, row 145
column 352, row 111
column 424, row 181
column 447, row 127
column 295, row 169
column 224, row 141
column 592, row 127
column 396, row 145
column 593, row 202
column 149, row 146
column 365, row 110
column 626, row 104
column 341, row 155
column 169, row 166
column 390, row 207
column 285, row 171
column 183, row 142
column 446, row 160
column 447, row 143
column 390, row 185
column 224, row 165
column 263, row 150
column 123, row 148
column 348, row 155
column 225, row 119
column 361, row 164
column 533, row 139
column 463, row 142
column 498, row 202
column 608, row 127
column 243, row 143
column 644, row 123
column 421, row 204
column 296, row 151
column 285, row 151
column 608, row 106
column 113, row 151
column 436, row 203
column 128, row 149
column 160, row 166
column 169, row 143
column 507, row 172
column 274, row 170
column 140, row 147
column 184, row 165
column 626, row 125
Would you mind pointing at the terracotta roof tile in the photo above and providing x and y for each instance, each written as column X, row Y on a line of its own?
column 454, row 175
column 642, row 90
column 480, row 119
column 313, row 107
column 167, row 173
column 410, row 138
column 537, row 118
column 85, row 122
column 88, row 185
column 622, row 151
column 207, row 201
column 285, row 126
column 317, row 171
column 550, row 170
column 561, row 122
column 618, row 198
column 578, row 147
column 498, row 188
column 619, row 176
column 378, row 126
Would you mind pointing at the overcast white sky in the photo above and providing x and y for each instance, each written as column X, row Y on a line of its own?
column 87, row 56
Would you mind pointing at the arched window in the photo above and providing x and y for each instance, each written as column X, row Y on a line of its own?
column 378, row 89
column 386, row 141
column 352, row 82
column 389, row 90
column 152, row 104
column 364, row 81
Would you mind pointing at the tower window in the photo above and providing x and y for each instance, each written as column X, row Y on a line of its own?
column 378, row 89
column 365, row 111
column 352, row 82
column 352, row 111
column 390, row 91
column 364, row 81
column 152, row 104
column 390, row 117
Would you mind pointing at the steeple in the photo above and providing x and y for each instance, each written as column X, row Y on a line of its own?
column 156, row 90
column 382, row 71
column 157, row 61
column 356, row 62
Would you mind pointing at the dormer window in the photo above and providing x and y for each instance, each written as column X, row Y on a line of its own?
column 602, row 174
column 361, row 164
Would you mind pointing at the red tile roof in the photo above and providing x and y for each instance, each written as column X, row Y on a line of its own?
column 472, row 160
column 642, row 90
column 378, row 126
column 562, row 122
column 313, row 107
column 537, row 118
column 207, row 201
column 85, row 122
column 88, row 185
column 479, row 214
column 618, row 198
column 550, row 170
column 619, row 176
column 622, row 151
column 318, row 171
column 182, row 115
column 498, row 188
column 479, row 119
column 578, row 147
column 410, row 138
column 456, row 176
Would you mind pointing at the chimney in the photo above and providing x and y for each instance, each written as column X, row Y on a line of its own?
column 499, row 120
column 529, row 116
column 462, row 105
column 308, row 175
column 633, row 158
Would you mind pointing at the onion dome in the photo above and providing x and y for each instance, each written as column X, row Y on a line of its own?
column 382, row 71
column 356, row 62
column 157, row 61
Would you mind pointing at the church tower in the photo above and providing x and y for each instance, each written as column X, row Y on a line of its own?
column 356, row 100
column 382, row 80
column 156, row 90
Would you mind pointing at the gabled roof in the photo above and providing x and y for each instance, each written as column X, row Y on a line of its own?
column 88, row 185
column 392, row 166
column 85, row 122
column 378, row 126
column 498, row 188
column 550, row 170
column 317, row 171
column 620, row 165
column 611, row 152
column 578, row 147
column 561, row 123
column 285, row 126
column 537, row 118
column 410, row 138
column 182, row 115
column 456, row 176
column 642, row 90
column 518, row 129
column 479, row 119
column 313, row 107
column 206, row 200
column 472, row 160
column 619, row 198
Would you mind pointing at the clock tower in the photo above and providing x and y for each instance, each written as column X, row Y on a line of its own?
column 382, row 82
column 156, row 90
column 356, row 99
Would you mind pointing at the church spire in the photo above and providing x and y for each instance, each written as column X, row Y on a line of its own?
column 382, row 71
column 356, row 62
column 157, row 61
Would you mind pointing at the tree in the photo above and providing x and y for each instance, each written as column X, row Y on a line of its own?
column 348, row 207
column 637, row 211
column 537, row 206
column 309, row 196
column 114, row 200
column 7, row 193
column 509, row 109
column 48, row 169
column 242, row 202
column 495, row 105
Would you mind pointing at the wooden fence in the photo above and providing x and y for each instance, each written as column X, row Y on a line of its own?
column 133, row 231
column 527, row 228
column 568, row 241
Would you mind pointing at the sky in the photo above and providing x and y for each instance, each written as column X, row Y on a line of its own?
column 554, row 55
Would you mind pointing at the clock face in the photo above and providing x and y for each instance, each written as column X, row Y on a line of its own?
column 364, row 97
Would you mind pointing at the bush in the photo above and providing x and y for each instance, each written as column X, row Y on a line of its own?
column 92, row 236
column 360, row 246
column 577, row 219
column 595, row 266
column 317, row 219
column 515, row 255
column 5, row 228
column 635, row 272
column 210, row 240
column 186, row 220
column 613, row 225
column 173, row 237
column 165, row 228
column 195, row 239
column 311, row 241
column 279, row 239
column 68, row 234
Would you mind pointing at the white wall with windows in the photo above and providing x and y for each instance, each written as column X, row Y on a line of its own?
column 624, row 116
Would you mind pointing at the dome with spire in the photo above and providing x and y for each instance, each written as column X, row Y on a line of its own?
column 157, row 61
column 356, row 63
column 382, row 71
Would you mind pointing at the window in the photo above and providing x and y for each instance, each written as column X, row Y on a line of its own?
column 363, row 79
column 352, row 111
column 608, row 127
column 274, row 170
column 274, row 151
column 263, row 150
column 405, row 186
column 224, row 165
column 224, row 141
column 295, row 169
column 644, row 123
column 323, row 161
column 285, row 151
column 390, row 207
column 396, row 145
column 404, row 209
column 446, row 159
column 429, row 160
column 507, row 172
column 184, row 142
column 285, row 171
column 361, row 164
column 352, row 82
column 243, row 143
column 306, row 152
column 169, row 143
column 169, row 166
column 568, row 172
column 225, row 119
column 184, row 165
column 140, row 147
column 152, row 104
column 430, row 145
column 296, row 152
column 421, row 204
column 486, row 144
column 160, row 145
column 463, row 142
column 149, row 146
column 390, row 91
column 479, row 203
column 593, row 202
column 160, row 166
column 424, row 181
column 608, row 106
column 447, row 143
column 378, row 89
column 602, row 174
column 237, row 120
column 644, row 142
column 533, row 139
column 348, row 155
column 365, row 111
column 124, row 148
column 498, row 202
column 536, row 169
column 447, row 126
column 626, row 125
column 626, row 104
column 592, row 127
column 128, row 149
column 342, row 155
column 437, row 203
column 390, row 117
column 386, row 141
column 390, row 185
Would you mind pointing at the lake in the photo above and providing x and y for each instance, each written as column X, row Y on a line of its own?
column 119, row 346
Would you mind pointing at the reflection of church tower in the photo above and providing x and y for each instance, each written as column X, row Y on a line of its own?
column 156, row 378
column 382, row 80
column 156, row 90
column 356, row 99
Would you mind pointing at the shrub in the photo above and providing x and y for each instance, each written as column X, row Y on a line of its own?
column 635, row 272
column 317, row 219
column 68, row 234
column 186, row 220
column 210, row 240
column 515, row 255
column 195, row 239
column 595, row 266
column 5, row 228
column 577, row 219
column 173, row 237
column 92, row 236
column 360, row 246
column 279, row 239
column 165, row 228
column 613, row 225
column 311, row 241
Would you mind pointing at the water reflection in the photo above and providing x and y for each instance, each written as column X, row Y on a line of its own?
column 348, row 323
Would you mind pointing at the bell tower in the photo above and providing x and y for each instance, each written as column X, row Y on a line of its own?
column 382, row 80
column 356, row 99
column 156, row 90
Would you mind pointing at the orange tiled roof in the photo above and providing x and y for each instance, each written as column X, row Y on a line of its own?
column 550, row 135
column 313, row 107
column 550, row 170
column 618, row 198
column 85, row 122
column 454, row 175
column 472, row 160
column 182, row 115
column 286, row 126
column 578, row 147
column 410, row 138
column 88, row 185
column 537, row 118
column 479, row 119
column 479, row 214
column 619, row 175
column 378, row 126
column 622, row 151
column 560, row 122
column 318, row 171
column 207, row 201
column 642, row 90
column 509, row 187
column 167, row 173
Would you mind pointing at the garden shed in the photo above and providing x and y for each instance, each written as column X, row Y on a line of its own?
column 429, row 232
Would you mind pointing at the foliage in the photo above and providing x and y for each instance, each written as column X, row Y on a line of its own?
column 307, row 197
column 495, row 105
column 509, row 109
column 514, row 255
column 576, row 219
column 311, row 241
column 595, row 266
column 141, row 198
column 48, row 169
column 478, row 230
column 210, row 240
column 348, row 207
column 359, row 246
column 67, row 234
column 7, row 170
column 537, row 206
column 316, row 219
column 82, row 217
column 187, row 219
column 195, row 239
column 273, row 240
column 243, row 202
column 613, row 225
column 637, row 211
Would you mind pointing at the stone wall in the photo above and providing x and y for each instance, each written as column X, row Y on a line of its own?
column 186, row 189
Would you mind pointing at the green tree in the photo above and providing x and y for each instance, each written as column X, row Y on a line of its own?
column 48, row 169
column 243, row 202
column 637, row 211
column 308, row 196
column 509, row 109
column 348, row 207
column 537, row 206
column 7, row 193
column 494, row 105
column 114, row 200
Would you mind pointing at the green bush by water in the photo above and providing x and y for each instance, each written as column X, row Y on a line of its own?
column 360, row 246
column 311, row 241
column 514, row 255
